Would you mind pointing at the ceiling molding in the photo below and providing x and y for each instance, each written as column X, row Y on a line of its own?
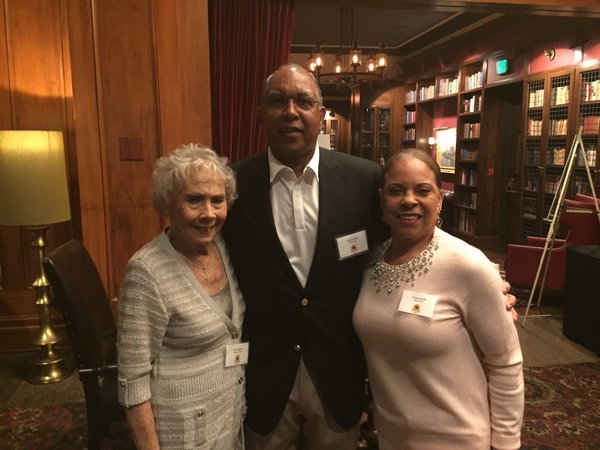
column 570, row 8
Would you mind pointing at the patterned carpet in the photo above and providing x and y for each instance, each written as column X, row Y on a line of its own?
column 562, row 412
column 562, row 407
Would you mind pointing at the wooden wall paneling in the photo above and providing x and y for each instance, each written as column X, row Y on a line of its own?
column 5, row 107
column 33, row 92
column 14, row 298
column 11, row 274
column 69, row 130
column 90, row 161
column 183, row 62
column 129, row 125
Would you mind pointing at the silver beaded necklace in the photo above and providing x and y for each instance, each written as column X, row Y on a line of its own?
column 388, row 277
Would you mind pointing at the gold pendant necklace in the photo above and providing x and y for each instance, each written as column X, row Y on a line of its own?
column 198, row 266
column 388, row 277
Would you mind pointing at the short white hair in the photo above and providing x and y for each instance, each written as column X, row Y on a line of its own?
column 172, row 172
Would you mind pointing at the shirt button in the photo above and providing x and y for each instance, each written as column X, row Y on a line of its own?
column 304, row 301
column 297, row 348
column 234, row 335
column 122, row 383
column 200, row 414
column 241, row 380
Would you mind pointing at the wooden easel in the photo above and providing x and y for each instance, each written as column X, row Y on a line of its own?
column 554, row 215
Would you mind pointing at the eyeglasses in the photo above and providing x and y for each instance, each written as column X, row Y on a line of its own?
column 277, row 101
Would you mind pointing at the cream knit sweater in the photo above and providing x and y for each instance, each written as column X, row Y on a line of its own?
column 453, row 381
column 172, row 339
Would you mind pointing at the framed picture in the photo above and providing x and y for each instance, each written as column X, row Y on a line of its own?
column 445, row 148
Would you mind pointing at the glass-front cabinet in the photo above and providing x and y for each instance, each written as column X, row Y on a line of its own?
column 588, row 117
column 375, row 131
column 547, row 140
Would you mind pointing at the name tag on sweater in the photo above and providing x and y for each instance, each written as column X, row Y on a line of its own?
column 352, row 244
column 236, row 354
column 417, row 303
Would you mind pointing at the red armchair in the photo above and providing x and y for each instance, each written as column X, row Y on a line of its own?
column 522, row 261
column 584, row 227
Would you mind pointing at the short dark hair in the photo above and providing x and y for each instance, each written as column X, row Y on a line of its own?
column 297, row 67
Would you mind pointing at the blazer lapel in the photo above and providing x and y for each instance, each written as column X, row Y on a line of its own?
column 259, row 195
column 328, row 208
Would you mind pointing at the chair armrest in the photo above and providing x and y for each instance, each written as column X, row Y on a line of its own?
column 107, row 369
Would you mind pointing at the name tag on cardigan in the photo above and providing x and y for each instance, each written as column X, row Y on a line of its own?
column 352, row 244
column 236, row 354
column 417, row 303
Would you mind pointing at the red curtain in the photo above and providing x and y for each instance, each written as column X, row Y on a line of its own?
column 248, row 41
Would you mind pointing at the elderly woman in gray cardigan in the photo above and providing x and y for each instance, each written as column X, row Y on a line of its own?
column 181, row 362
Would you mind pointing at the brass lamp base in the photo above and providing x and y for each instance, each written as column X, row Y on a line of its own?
column 48, row 369
column 48, row 366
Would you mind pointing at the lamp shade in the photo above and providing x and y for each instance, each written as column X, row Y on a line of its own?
column 33, row 178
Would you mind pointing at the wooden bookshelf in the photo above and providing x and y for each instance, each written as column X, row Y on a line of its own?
column 548, row 133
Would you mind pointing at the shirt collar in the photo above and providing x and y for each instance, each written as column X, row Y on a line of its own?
column 275, row 167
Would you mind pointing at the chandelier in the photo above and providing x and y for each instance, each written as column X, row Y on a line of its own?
column 352, row 75
column 349, row 58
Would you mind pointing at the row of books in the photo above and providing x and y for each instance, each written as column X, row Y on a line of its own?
column 468, row 177
column 411, row 96
column 590, row 156
column 447, row 86
column 536, row 98
column 534, row 127
column 591, row 90
column 466, row 221
column 411, row 116
column 591, row 124
column 471, row 130
column 410, row 134
column 469, row 154
column 468, row 199
column 471, row 104
column 427, row 92
column 560, row 95
column 473, row 81
column 556, row 156
column 551, row 185
column 558, row 127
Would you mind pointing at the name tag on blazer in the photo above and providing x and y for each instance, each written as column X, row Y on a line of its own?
column 353, row 244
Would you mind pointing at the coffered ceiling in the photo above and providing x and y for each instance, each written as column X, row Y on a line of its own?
column 407, row 26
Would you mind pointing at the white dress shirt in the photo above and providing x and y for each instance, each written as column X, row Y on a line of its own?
column 295, row 204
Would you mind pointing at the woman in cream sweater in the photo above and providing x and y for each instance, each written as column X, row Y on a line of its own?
column 443, row 355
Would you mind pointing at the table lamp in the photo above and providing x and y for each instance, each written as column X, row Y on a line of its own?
column 34, row 194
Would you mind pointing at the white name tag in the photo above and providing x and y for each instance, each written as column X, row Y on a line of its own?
column 352, row 244
column 236, row 354
column 417, row 303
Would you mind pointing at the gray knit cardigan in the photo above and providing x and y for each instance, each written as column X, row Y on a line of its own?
column 172, row 340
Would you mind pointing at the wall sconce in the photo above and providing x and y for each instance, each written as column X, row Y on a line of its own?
column 550, row 53
column 578, row 54
column 34, row 194
column 432, row 149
